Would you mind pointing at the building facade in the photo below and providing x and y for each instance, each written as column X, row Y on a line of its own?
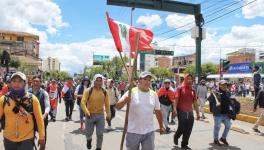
column 244, row 55
column 51, row 64
column 179, row 63
column 23, row 46
column 159, row 57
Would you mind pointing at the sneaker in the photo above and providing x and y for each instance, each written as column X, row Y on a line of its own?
column 82, row 126
column 66, row 119
column 53, row 119
column 70, row 118
column 256, row 130
column 89, row 144
column 185, row 147
column 109, row 128
column 175, row 140
column 217, row 143
column 167, row 129
column 224, row 141
column 203, row 117
column 98, row 149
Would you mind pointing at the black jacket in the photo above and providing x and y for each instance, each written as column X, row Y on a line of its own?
column 220, row 106
column 257, row 79
column 259, row 100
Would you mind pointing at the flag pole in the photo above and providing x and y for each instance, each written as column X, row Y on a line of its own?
column 131, row 84
column 124, row 64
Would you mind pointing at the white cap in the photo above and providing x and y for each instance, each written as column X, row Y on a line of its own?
column 20, row 74
column 145, row 74
column 222, row 82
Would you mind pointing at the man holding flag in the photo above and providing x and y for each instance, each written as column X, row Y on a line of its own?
column 143, row 102
column 67, row 94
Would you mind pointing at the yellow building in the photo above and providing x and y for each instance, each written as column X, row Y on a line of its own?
column 24, row 46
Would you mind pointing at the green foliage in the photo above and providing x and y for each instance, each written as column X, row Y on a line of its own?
column 113, row 68
column 25, row 68
column 14, row 62
column 208, row 68
column 161, row 73
column 60, row 75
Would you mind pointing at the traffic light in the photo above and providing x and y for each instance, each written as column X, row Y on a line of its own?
column 225, row 65
column 5, row 58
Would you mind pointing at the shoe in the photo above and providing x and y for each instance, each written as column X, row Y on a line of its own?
column 70, row 118
column 89, row 144
column 53, row 119
column 175, row 140
column 203, row 117
column 167, row 129
column 217, row 143
column 224, row 141
column 66, row 119
column 109, row 128
column 256, row 130
column 98, row 149
column 82, row 126
column 185, row 147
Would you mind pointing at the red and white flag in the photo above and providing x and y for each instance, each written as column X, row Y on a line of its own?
column 125, row 36
column 65, row 88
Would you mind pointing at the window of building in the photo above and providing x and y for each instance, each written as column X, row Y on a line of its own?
column 20, row 38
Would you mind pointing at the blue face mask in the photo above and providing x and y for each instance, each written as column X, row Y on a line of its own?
column 18, row 93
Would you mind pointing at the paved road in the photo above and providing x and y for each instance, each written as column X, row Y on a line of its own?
column 67, row 136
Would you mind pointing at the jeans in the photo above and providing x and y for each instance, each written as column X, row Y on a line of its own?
column 223, row 118
column 98, row 121
column 23, row 145
column 261, row 117
column 113, row 111
column 185, row 126
column 165, row 111
column 69, row 104
column 81, row 114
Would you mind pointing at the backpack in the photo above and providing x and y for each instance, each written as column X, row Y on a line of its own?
column 165, row 100
column 29, row 109
column 234, row 108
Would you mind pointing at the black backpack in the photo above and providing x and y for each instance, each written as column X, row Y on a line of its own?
column 234, row 108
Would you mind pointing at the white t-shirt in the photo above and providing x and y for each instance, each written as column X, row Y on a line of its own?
column 140, row 118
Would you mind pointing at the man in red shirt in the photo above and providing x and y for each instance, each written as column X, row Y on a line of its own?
column 185, row 98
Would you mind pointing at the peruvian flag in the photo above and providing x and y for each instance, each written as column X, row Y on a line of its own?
column 125, row 36
column 65, row 88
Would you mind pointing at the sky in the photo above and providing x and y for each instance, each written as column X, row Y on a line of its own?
column 74, row 30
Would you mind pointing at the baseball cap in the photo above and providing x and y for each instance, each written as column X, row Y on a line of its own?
column 145, row 74
column 222, row 82
column 20, row 74
column 167, row 80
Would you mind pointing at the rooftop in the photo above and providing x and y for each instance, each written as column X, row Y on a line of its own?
column 17, row 33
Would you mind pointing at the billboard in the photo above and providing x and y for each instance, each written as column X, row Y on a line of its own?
column 98, row 59
column 240, row 68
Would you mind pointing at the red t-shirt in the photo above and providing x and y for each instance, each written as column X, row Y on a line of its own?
column 185, row 97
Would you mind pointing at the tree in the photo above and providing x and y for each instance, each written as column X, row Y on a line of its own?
column 14, row 62
column 161, row 73
column 208, row 68
column 55, row 74
column 93, row 71
column 25, row 68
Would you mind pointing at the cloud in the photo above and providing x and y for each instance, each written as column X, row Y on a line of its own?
column 26, row 15
column 236, row 38
column 74, row 56
column 253, row 10
column 150, row 21
column 178, row 21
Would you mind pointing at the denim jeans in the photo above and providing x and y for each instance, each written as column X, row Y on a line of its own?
column 165, row 111
column 81, row 114
column 95, row 121
column 223, row 118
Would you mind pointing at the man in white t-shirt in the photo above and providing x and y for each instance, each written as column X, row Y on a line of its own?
column 143, row 102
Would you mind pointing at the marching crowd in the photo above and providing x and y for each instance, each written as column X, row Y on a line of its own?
column 26, row 107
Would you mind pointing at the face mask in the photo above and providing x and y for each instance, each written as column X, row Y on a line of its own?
column 18, row 93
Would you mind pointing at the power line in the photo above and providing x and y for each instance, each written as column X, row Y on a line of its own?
column 211, row 20
column 230, row 11
column 223, row 8
column 185, row 25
